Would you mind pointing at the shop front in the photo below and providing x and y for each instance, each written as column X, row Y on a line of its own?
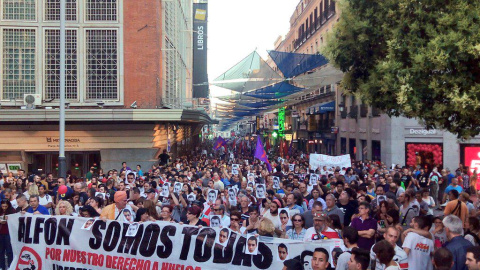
column 424, row 148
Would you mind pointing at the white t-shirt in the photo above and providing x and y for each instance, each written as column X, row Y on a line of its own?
column 420, row 250
column 393, row 267
column 400, row 257
column 311, row 234
column 45, row 200
column 275, row 219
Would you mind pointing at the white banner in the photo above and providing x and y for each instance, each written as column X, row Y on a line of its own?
column 62, row 242
column 319, row 160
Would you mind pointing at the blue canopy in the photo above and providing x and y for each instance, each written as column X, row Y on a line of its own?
column 293, row 64
column 274, row 91
column 327, row 107
column 259, row 104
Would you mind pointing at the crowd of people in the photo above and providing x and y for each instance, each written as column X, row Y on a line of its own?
column 388, row 217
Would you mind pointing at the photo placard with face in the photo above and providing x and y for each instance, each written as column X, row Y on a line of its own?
column 261, row 190
column 252, row 244
column 215, row 221
column 222, row 237
column 313, row 179
column 132, row 229
column 165, row 190
column 212, row 195
column 235, row 168
column 88, row 224
column 191, row 197
column 251, row 177
column 177, row 187
column 276, row 182
column 284, row 214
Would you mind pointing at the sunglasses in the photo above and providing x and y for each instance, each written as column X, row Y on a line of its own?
column 234, row 219
column 217, row 209
column 297, row 220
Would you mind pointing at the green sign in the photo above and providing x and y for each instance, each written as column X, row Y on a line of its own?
column 281, row 122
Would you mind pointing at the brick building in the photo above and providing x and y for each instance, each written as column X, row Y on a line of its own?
column 128, row 82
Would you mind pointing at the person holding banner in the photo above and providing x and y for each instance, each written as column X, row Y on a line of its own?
column 5, row 241
column 114, row 211
column 35, row 207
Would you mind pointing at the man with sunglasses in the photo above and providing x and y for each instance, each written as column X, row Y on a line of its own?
column 220, row 210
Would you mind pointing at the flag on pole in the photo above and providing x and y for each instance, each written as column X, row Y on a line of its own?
column 261, row 154
column 220, row 141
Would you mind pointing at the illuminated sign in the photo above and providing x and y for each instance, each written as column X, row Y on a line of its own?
column 281, row 122
column 472, row 158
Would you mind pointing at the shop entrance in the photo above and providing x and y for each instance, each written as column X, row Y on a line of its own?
column 78, row 163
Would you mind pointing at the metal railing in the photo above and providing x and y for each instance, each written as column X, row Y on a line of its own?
column 185, row 103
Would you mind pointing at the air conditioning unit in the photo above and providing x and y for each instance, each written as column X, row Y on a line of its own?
column 32, row 100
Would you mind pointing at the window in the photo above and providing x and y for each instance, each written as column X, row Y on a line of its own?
column 101, row 65
column 52, row 64
column 52, row 10
column 101, row 10
column 18, row 62
column 19, row 10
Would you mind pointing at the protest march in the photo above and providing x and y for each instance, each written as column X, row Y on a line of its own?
column 238, row 204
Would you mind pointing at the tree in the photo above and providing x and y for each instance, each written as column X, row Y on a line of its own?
column 416, row 58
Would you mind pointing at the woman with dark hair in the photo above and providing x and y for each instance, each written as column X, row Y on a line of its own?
column 166, row 214
column 142, row 215
column 393, row 219
column 235, row 219
column 152, row 209
column 96, row 203
column 193, row 216
column 297, row 232
column 473, row 232
column 384, row 252
column 439, row 232
column 336, row 224
column 381, row 217
column 5, row 243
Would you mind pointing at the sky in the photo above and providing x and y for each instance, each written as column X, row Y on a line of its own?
column 236, row 28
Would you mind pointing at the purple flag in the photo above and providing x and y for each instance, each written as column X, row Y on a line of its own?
column 261, row 154
column 220, row 141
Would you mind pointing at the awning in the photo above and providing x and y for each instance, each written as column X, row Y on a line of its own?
column 326, row 107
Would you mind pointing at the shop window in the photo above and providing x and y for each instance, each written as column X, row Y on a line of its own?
column 425, row 155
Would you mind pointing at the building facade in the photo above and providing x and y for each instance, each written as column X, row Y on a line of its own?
column 128, row 82
column 310, row 118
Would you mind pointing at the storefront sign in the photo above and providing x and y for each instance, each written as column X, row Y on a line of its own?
column 288, row 137
column 63, row 242
column 200, row 34
column 422, row 132
column 13, row 168
column 472, row 158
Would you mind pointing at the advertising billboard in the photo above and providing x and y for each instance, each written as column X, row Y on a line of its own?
column 200, row 75
column 472, row 157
